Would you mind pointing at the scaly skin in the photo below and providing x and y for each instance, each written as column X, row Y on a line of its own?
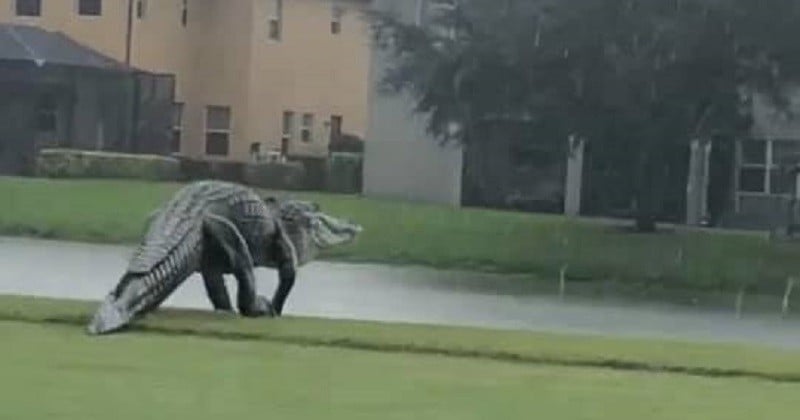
column 218, row 228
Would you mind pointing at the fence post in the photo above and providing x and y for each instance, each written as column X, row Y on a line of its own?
column 740, row 302
column 562, row 281
column 787, row 297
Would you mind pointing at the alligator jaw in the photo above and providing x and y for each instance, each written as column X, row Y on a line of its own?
column 108, row 318
column 331, row 231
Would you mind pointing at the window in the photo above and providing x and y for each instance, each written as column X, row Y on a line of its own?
column 336, row 128
column 288, row 125
column 307, row 128
column 754, row 155
column 218, row 130
column 275, row 20
column 29, row 7
column 255, row 152
column 46, row 114
column 177, row 126
column 90, row 7
column 141, row 8
column 184, row 12
column 336, row 17
column 761, row 166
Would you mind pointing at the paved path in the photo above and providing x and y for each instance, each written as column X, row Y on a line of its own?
column 370, row 292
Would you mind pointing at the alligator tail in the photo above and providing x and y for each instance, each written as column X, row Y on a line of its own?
column 138, row 293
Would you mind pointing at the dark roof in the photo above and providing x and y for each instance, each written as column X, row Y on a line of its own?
column 41, row 47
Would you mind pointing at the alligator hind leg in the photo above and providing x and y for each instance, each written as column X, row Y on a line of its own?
column 227, row 236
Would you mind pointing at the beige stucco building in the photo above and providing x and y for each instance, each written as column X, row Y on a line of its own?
column 251, row 76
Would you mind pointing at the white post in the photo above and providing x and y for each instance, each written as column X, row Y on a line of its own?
column 694, row 185
column 787, row 297
column 574, row 182
column 562, row 282
column 739, row 303
column 705, row 179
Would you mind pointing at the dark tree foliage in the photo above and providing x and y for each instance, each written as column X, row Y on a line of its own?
column 647, row 74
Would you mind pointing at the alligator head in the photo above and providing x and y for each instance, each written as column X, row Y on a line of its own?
column 311, row 230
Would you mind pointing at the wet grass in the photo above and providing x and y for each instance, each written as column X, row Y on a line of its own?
column 442, row 237
column 60, row 374
column 523, row 348
column 53, row 370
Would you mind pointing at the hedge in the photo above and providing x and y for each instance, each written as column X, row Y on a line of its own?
column 73, row 163
column 344, row 173
column 341, row 173
column 279, row 176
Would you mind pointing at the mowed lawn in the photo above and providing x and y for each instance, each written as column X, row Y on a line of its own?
column 442, row 237
column 182, row 365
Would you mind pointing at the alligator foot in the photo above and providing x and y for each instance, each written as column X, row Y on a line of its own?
column 261, row 307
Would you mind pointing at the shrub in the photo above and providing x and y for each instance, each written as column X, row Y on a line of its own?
column 274, row 175
column 344, row 173
column 74, row 163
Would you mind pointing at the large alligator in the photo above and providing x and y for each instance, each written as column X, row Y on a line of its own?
column 217, row 228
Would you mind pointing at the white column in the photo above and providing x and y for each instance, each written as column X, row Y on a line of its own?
column 574, row 181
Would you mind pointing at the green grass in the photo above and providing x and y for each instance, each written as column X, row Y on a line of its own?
column 401, row 233
column 53, row 370
column 702, row 359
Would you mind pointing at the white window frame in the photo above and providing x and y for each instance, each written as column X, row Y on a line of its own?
column 307, row 129
column 275, row 21
column 292, row 129
column 765, row 166
column 184, row 17
column 337, row 15
column 178, row 128
column 768, row 166
column 141, row 9
column 228, row 132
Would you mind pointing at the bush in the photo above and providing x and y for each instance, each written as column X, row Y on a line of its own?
column 276, row 176
column 344, row 173
column 73, row 163
column 347, row 143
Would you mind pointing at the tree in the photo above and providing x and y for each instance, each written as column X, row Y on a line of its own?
column 653, row 74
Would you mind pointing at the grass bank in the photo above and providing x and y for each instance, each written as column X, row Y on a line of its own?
column 526, row 348
column 401, row 233
column 179, row 367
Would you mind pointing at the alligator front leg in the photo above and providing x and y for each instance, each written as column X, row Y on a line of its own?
column 286, row 276
column 230, row 240
column 216, row 290
column 286, row 260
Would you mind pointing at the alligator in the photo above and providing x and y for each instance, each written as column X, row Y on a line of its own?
column 216, row 228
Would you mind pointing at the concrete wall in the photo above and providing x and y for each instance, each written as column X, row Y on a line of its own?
column 412, row 170
column 401, row 160
column 223, row 56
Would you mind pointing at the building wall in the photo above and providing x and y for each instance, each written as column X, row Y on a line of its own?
column 310, row 70
column 761, row 192
column 401, row 159
column 223, row 56
column 105, row 33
